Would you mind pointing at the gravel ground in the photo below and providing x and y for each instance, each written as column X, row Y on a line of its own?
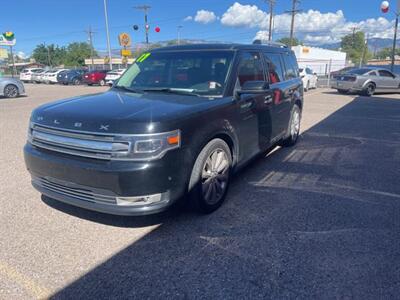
column 320, row 220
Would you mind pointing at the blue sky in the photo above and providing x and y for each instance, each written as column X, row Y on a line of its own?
column 64, row 21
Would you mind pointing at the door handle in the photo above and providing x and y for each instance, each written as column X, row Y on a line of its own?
column 268, row 99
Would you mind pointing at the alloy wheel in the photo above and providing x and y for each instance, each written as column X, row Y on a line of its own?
column 295, row 125
column 215, row 176
column 11, row 91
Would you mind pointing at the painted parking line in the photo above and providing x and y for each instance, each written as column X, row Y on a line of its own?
column 28, row 284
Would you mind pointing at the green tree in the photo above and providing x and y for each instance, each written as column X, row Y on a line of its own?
column 286, row 41
column 49, row 54
column 354, row 45
column 76, row 54
column 386, row 53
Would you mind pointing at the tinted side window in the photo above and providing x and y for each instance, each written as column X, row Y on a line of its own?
column 385, row 73
column 250, row 67
column 275, row 72
column 291, row 66
column 372, row 73
column 308, row 71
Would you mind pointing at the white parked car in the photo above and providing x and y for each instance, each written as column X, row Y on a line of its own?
column 51, row 76
column 26, row 74
column 37, row 76
column 310, row 79
column 114, row 75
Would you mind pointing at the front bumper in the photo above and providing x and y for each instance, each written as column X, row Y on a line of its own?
column 113, row 187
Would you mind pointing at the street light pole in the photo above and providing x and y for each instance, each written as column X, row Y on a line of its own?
column 108, row 33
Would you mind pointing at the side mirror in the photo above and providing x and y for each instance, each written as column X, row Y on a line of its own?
column 315, row 73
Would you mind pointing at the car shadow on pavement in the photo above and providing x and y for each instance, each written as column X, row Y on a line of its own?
column 319, row 220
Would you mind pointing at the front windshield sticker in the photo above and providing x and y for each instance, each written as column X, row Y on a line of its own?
column 143, row 57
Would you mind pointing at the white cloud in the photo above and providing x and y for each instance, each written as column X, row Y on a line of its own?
column 188, row 18
column 21, row 54
column 311, row 26
column 239, row 15
column 205, row 16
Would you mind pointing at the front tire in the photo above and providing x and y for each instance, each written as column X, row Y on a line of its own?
column 210, row 177
column 343, row 92
column 293, row 130
column 102, row 83
column 10, row 91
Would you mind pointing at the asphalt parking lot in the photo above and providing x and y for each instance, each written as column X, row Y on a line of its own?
column 320, row 220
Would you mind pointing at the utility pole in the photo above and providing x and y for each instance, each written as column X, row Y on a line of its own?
column 179, row 34
column 395, row 40
column 294, row 11
column 364, row 51
column 108, row 34
column 13, row 61
column 48, row 54
column 145, row 9
column 271, row 17
column 353, row 29
column 90, row 40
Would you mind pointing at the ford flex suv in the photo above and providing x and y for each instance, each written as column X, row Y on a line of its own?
column 179, row 122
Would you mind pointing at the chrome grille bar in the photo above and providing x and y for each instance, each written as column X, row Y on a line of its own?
column 86, row 145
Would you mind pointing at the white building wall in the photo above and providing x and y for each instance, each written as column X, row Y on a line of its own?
column 318, row 59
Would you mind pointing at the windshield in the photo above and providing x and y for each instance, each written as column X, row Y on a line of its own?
column 199, row 72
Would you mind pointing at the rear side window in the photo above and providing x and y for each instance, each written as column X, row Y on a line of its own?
column 384, row 73
column 250, row 67
column 275, row 72
column 292, row 68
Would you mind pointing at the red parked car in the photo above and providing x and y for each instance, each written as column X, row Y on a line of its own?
column 95, row 77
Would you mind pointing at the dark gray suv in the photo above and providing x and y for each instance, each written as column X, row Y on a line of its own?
column 178, row 122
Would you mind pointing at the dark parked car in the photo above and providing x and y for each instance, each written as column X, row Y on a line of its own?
column 180, row 121
column 71, row 77
column 95, row 77
column 60, row 75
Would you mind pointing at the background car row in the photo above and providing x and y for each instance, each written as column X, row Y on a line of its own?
column 70, row 76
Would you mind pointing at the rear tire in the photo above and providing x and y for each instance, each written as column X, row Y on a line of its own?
column 210, row 177
column 76, row 81
column 293, row 129
column 369, row 90
column 10, row 91
column 102, row 82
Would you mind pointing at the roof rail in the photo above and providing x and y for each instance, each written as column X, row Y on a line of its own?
column 269, row 43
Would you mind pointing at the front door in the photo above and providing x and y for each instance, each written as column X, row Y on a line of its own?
column 255, row 110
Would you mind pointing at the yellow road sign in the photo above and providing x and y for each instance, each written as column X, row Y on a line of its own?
column 126, row 52
column 124, row 39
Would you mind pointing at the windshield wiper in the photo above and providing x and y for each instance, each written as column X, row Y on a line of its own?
column 127, row 89
column 190, row 92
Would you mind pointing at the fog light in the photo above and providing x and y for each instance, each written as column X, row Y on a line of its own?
column 142, row 200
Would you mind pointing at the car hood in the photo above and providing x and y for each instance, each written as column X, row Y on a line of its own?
column 120, row 112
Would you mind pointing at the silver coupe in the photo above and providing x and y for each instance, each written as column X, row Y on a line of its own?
column 367, row 81
column 11, row 87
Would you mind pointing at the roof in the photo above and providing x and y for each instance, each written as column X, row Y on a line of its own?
column 220, row 46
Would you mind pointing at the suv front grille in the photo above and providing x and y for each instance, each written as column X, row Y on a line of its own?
column 76, row 143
